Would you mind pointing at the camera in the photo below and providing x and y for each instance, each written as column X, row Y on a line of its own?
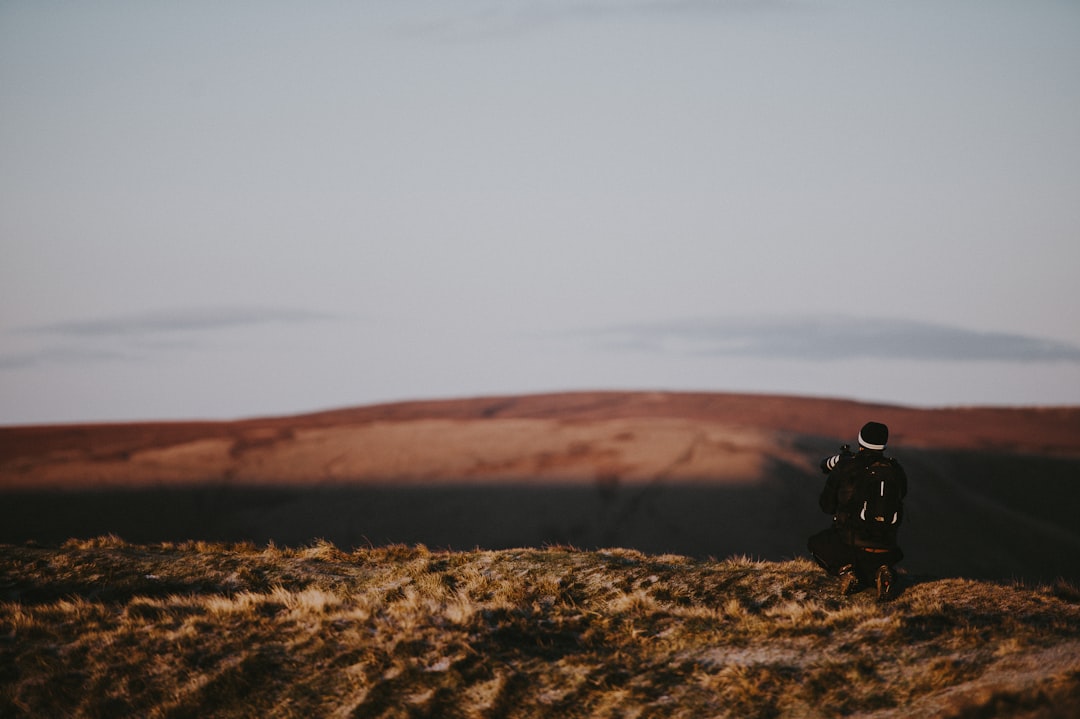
column 829, row 463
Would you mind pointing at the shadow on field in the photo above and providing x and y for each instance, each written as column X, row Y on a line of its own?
column 968, row 515
column 691, row 520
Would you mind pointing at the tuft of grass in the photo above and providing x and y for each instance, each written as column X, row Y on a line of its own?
column 1065, row 590
column 106, row 628
column 108, row 541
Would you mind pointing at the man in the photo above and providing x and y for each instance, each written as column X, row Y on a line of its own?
column 864, row 493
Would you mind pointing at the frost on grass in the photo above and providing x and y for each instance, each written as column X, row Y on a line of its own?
column 104, row 628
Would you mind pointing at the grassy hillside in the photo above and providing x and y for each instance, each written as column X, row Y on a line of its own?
column 104, row 628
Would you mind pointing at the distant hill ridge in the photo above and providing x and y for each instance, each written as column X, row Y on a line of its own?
column 1022, row 429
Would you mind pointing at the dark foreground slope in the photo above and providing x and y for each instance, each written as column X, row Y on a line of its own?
column 103, row 628
column 975, row 516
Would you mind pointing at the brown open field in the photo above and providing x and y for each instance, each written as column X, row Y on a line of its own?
column 103, row 628
column 211, row 596
column 994, row 491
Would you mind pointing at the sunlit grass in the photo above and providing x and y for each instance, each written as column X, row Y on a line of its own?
column 104, row 628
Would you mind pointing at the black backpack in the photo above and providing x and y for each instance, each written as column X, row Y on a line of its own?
column 876, row 499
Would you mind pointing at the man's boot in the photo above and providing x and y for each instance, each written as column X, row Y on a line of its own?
column 849, row 581
column 885, row 581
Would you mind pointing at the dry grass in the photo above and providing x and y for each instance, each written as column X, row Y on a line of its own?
column 104, row 629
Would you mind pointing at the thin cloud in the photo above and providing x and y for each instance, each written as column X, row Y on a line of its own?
column 60, row 355
column 497, row 18
column 176, row 321
column 139, row 336
column 833, row 338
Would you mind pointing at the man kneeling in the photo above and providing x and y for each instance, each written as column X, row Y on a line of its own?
column 864, row 493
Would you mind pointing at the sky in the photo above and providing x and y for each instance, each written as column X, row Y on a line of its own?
column 224, row 210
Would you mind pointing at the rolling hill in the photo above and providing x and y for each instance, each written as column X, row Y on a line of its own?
column 993, row 494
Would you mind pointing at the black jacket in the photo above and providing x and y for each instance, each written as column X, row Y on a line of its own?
column 843, row 470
